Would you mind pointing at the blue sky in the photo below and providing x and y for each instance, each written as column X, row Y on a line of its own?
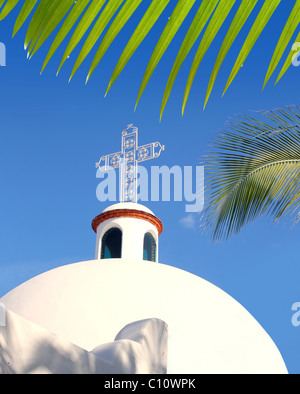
column 52, row 133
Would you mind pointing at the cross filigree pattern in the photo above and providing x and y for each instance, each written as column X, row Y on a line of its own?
column 127, row 160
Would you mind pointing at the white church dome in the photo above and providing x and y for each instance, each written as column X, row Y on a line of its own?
column 88, row 303
column 57, row 318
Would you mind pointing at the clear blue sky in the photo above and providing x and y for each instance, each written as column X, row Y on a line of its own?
column 52, row 133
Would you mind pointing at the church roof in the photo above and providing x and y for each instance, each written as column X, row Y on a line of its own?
column 128, row 205
column 88, row 303
column 132, row 210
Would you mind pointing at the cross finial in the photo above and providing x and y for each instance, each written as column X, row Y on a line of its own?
column 127, row 160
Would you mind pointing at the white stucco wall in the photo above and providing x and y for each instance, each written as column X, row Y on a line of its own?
column 129, row 205
column 87, row 303
column 26, row 348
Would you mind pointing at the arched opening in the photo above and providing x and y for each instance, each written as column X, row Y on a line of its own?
column 112, row 244
column 149, row 251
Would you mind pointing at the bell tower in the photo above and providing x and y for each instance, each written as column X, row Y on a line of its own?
column 128, row 230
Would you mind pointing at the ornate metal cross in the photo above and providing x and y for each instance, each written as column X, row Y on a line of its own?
column 127, row 160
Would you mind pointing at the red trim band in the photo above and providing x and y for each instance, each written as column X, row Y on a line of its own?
column 117, row 213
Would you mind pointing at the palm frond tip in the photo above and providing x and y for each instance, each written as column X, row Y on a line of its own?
column 77, row 18
column 253, row 169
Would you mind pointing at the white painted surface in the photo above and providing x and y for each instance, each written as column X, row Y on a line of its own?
column 26, row 348
column 140, row 347
column 128, row 205
column 87, row 303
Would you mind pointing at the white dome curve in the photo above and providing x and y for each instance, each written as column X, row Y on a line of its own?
column 89, row 302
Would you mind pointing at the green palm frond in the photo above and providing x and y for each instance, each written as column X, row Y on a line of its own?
column 253, row 169
column 93, row 23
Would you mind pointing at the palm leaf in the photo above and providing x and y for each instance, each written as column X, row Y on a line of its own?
column 179, row 14
column 87, row 20
column 260, row 23
column 214, row 26
column 68, row 24
column 23, row 15
column 9, row 6
column 253, row 169
column 82, row 27
column 100, row 25
column 37, row 22
column 117, row 25
column 201, row 18
column 237, row 24
column 53, row 16
column 148, row 21
column 45, row 19
column 285, row 38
